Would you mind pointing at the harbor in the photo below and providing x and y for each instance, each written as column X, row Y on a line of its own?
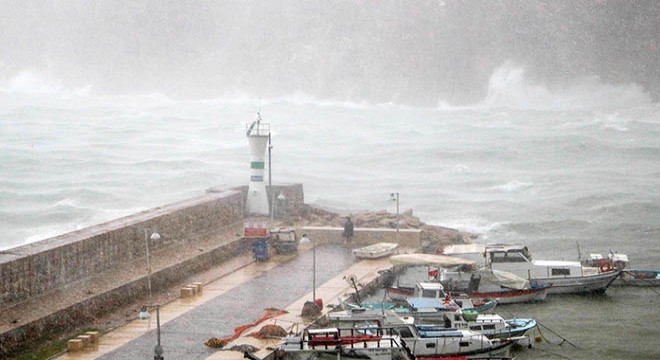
column 187, row 324
column 225, row 265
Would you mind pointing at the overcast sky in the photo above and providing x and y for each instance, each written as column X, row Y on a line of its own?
column 402, row 51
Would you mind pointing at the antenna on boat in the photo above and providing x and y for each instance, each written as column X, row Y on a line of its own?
column 578, row 249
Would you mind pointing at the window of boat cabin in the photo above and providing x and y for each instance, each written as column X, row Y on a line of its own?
column 507, row 257
column 404, row 332
column 429, row 293
column 560, row 272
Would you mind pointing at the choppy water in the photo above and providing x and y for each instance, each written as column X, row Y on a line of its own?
column 549, row 176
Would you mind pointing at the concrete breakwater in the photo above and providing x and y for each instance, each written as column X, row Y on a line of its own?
column 61, row 284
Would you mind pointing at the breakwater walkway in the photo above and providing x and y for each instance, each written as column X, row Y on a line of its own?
column 236, row 299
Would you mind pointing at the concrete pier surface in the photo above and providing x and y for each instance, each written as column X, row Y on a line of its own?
column 238, row 298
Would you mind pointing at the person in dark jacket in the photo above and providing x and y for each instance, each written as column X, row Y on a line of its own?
column 348, row 230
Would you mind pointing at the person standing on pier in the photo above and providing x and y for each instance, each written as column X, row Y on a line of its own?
column 348, row 230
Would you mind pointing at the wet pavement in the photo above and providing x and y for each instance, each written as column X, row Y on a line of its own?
column 183, row 337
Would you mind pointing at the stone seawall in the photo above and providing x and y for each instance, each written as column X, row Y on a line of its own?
column 61, row 283
column 35, row 269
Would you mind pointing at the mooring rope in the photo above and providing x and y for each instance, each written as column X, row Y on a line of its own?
column 564, row 340
column 642, row 279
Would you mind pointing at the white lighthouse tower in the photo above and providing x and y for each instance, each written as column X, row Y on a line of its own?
column 258, row 134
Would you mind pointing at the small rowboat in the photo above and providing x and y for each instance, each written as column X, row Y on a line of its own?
column 376, row 251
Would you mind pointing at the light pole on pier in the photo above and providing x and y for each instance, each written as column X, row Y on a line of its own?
column 395, row 197
column 305, row 240
column 270, row 179
column 155, row 237
column 144, row 314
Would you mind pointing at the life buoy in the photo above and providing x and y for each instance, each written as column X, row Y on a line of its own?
column 604, row 265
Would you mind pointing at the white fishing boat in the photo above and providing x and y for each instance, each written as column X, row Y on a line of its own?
column 387, row 342
column 563, row 277
column 376, row 251
column 439, row 299
column 442, row 342
column 335, row 343
column 484, row 284
column 490, row 325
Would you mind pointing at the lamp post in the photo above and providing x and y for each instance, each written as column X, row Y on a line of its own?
column 305, row 240
column 144, row 314
column 155, row 237
column 270, row 180
column 395, row 197
column 280, row 200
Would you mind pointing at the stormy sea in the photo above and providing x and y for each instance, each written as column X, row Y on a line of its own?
column 551, row 168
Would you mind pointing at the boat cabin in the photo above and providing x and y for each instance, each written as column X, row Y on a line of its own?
column 432, row 290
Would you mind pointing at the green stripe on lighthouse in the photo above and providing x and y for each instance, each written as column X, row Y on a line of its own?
column 257, row 165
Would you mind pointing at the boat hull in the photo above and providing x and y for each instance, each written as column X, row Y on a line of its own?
column 588, row 284
column 400, row 293
column 513, row 296
column 376, row 251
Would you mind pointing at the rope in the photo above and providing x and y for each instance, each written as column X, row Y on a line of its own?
column 564, row 340
column 642, row 279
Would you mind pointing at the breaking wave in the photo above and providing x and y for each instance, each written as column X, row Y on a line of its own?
column 509, row 87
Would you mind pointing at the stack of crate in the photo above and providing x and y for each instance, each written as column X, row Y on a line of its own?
column 84, row 341
column 191, row 290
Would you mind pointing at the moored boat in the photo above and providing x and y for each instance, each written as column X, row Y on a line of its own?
column 563, row 277
column 335, row 343
column 433, row 295
column 391, row 342
column 484, row 284
column 490, row 325
column 376, row 251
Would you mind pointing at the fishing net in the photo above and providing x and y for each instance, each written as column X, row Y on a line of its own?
column 268, row 314
column 270, row 331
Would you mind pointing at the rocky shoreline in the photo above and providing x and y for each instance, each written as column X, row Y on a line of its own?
column 432, row 236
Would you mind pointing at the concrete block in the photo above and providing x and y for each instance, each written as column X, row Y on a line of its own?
column 193, row 288
column 199, row 286
column 93, row 336
column 74, row 345
column 86, row 339
column 186, row 292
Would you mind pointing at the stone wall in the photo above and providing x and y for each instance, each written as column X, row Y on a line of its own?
column 88, row 309
column 34, row 269
column 41, row 270
column 364, row 236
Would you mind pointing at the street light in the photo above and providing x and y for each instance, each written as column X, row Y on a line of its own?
column 395, row 197
column 305, row 240
column 143, row 315
column 155, row 237
column 270, row 178
column 280, row 201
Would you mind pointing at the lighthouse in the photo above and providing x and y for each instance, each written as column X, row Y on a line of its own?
column 258, row 134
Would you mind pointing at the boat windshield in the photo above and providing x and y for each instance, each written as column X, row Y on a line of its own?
column 507, row 257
